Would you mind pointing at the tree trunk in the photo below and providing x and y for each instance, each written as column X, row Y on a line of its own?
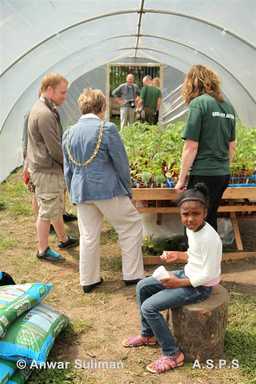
column 199, row 328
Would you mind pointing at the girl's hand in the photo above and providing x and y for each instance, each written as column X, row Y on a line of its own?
column 169, row 256
column 171, row 282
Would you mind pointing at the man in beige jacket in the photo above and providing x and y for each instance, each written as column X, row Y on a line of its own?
column 45, row 161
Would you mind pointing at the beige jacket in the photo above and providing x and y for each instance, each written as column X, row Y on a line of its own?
column 44, row 140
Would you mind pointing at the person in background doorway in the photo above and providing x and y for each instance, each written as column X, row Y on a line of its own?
column 150, row 100
column 127, row 97
column 156, row 82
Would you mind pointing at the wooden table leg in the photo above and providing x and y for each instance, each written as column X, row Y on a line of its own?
column 235, row 225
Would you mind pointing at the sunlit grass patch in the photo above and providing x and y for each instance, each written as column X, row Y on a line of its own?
column 7, row 242
column 15, row 197
column 240, row 339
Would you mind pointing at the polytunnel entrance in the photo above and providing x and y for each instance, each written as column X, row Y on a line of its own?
column 117, row 73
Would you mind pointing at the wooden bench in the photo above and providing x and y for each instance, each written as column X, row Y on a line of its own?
column 234, row 201
column 200, row 328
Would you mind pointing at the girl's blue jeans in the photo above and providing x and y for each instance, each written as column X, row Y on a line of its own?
column 153, row 297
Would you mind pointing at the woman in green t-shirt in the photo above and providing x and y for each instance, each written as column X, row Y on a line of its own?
column 209, row 136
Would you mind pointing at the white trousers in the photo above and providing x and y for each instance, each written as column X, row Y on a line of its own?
column 127, row 116
column 126, row 220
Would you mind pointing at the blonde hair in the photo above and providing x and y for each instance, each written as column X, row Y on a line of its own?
column 156, row 82
column 200, row 80
column 92, row 101
column 51, row 80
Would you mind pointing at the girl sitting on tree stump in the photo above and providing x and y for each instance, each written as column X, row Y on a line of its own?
column 194, row 283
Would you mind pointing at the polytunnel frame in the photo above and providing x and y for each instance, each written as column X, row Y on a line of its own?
column 130, row 48
column 138, row 35
column 142, row 11
column 133, row 48
column 194, row 50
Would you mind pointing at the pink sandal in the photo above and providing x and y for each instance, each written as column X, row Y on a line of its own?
column 138, row 341
column 165, row 363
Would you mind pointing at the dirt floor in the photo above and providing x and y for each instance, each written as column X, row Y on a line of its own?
column 101, row 320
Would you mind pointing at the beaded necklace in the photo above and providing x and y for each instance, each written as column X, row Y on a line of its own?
column 92, row 157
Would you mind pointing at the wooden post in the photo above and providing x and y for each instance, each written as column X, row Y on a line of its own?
column 235, row 225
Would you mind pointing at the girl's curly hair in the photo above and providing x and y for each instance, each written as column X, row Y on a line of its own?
column 200, row 80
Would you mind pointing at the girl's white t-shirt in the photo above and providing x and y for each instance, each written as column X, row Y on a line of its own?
column 204, row 257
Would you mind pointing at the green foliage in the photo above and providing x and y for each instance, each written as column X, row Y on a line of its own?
column 159, row 180
column 156, row 247
column 240, row 338
column 245, row 155
column 116, row 121
column 145, row 177
column 55, row 376
column 151, row 148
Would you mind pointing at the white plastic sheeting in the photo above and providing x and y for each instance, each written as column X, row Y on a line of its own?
column 75, row 37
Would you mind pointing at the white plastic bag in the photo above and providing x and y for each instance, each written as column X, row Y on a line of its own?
column 225, row 230
column 170, row 226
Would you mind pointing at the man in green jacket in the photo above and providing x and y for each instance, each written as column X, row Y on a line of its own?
column 150, row 100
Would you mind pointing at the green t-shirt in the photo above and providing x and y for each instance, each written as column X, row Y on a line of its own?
column 149, row 95
column 212, row 124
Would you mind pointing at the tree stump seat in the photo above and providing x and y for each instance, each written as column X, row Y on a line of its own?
column 199, row 328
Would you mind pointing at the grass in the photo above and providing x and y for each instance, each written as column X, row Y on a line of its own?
column 7, row 242
column 240, row 338
column 108, row 235
column 3, row 205
column 12, row 198
column 56, row 376
column 76, row 329
column 100, row 321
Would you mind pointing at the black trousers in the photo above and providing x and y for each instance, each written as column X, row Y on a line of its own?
column 6, row 279
column 216, row 186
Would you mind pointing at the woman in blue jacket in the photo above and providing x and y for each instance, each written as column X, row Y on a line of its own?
column 97, row 175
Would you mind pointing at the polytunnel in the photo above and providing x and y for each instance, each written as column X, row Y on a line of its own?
column 78, row 38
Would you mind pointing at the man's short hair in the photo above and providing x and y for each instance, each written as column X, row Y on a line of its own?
column 130, row 74
column 156, row 82
column 51, row 80
column 146, row 79
column 92, row 101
